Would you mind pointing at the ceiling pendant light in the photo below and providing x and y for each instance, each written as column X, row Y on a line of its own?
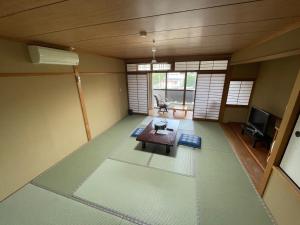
column 153, row 53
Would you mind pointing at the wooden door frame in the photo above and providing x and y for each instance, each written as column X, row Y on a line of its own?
column 286, row 128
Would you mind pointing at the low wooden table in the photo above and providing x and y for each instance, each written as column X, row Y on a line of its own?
column 180, row 108
column 150, row 136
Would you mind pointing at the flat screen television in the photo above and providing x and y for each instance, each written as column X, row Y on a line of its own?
column 259, row 119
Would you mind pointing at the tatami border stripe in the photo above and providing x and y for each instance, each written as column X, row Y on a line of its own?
column 95, row 206
column 155, row 168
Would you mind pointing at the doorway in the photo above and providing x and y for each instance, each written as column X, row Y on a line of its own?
column 177, row 89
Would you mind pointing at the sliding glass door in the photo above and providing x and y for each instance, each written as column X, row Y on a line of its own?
column 191, row 78
column 158, row 87
column 177, row 87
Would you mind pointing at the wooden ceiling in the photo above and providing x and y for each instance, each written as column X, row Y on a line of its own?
column 180, row 27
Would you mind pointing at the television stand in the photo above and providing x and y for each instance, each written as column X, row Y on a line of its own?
column 255, row 135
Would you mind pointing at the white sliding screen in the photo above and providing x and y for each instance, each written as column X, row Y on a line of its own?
column 208, row 97
column 138, row 93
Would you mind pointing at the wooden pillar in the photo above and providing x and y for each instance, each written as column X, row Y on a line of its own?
column 289, row 119
column 82, row 103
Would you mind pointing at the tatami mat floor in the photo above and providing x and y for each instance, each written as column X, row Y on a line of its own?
column 111, row 181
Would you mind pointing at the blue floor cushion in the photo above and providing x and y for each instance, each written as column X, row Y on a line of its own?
column 190, row 140
column 137, row 132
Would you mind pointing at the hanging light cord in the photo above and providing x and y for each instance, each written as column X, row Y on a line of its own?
column 153, row 52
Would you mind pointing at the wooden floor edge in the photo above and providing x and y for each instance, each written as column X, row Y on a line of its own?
column 229, row 132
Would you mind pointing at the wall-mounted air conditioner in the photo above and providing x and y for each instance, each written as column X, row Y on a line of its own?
column 43, row 55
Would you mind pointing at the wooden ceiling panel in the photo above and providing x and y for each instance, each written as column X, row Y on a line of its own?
column 233, row 14
column 79, row 13
column 12, row 7
column 195, row 46
column 179, row 27
column 127, row 29
column 173, row 52
column 173, row 43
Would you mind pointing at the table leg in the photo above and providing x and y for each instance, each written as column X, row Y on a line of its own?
column 168, row 149
column 143, row 144
column 185, row 112
column 174, row 111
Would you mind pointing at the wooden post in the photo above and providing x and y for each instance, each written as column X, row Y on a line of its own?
column 82, row 103
column 289, row 119
column 184, row 88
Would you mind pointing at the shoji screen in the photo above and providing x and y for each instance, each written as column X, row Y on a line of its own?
column 138, row 93
column 209, row 91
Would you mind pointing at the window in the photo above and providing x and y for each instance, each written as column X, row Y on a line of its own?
column 214, row 65
column 191, row 80
column 190, row 89
column 184, row 66
column 159, row 80
column 175, row 87
column 131, row 67
column 239, row 92
column 175, row 80
column 161, row 66
column 144, row 67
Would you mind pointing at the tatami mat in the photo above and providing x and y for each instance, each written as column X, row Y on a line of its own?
column 35, row 206
column 150, row 195
column 182, row 163
column 127, row 153
column 212, row 136
column 146, row 121
column 224, row 193
column 68, row 174
column 186, row 125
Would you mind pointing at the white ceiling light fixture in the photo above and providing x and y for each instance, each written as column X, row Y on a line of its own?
column 153, row 53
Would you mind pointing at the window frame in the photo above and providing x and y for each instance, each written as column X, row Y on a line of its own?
column 250, row 97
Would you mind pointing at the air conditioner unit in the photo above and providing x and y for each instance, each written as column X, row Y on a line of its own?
column 43, row 55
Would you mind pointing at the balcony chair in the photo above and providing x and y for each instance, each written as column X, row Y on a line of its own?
column 161, row 104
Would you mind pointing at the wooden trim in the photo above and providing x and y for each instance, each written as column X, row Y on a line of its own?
column 150, row 93
column 209, row 120
column 171, row 59
column 147, row 75
column 35, row 74
column 184, row 88
column 143, row 114
column 286, row 128
column 237, row 106
column 213, row 71
column 286, row 29
column 268, row 57
column 166, row 85
column 244, row 79
column 82, row 103
column 290, row 183
column 126, row 74
column 195, row 97
column 225, row 92
column 140, row 72
column 101, row 73
column 55, row 74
